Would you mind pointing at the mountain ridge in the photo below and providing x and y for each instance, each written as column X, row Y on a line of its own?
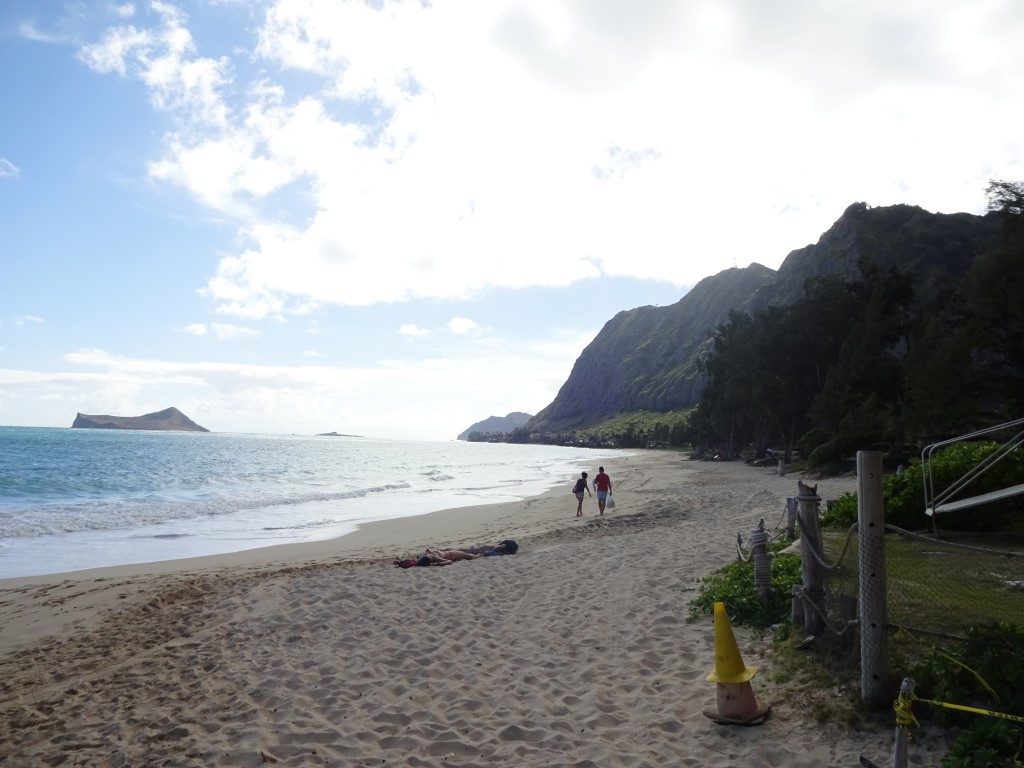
column 649, row 358
column 496, row 424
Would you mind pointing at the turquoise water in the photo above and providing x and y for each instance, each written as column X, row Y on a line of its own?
column 73, row 499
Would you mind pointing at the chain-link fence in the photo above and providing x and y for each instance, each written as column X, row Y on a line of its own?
column 934, row 586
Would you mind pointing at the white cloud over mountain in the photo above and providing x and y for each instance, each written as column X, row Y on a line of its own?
column 439, row 150
column 372, row 399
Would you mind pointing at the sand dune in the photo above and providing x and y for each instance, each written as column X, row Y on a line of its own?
column 574, row 652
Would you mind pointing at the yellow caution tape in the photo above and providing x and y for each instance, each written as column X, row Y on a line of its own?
column 960, row 707
column 940, row 652
column 904, row 712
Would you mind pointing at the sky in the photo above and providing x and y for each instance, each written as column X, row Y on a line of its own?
column 395, row 219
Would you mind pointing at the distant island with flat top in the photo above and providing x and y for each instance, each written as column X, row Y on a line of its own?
column 168, row 420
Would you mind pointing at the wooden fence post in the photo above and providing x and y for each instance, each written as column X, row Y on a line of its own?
column 810, row 545
column 791, row 517
column 901, row 749
column 871, row 528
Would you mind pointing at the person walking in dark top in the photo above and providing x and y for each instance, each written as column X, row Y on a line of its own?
column 578, row 489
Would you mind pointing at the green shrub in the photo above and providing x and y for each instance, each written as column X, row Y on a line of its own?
column 996, row 653
column 734, row 586
column 990, row 744
column 904, row 492
column 843, row 513
column 635, row 429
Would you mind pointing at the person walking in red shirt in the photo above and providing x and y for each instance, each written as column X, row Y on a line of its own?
column 603, row 486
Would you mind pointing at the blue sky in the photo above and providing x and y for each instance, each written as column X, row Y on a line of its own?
column 395, row 219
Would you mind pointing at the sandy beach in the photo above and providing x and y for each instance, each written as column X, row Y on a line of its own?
column 574, row 652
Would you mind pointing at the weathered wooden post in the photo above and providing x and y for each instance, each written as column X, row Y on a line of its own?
column 782, row 467
column 791, row 517
column 871, row 525
column 796, row 607
column 810, row 551
column 762, row 562
column 904, row 719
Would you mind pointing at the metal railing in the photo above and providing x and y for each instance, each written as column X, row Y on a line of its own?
column 944, row 501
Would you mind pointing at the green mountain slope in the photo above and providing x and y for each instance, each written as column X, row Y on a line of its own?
column 648, row 358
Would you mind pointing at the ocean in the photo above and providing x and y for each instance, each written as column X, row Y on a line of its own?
column 79, row 498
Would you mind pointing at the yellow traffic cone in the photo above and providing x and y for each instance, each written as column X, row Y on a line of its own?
column 736, row 702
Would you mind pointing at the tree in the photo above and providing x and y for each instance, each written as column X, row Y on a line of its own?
column 1005, row 197
column 940, row 375
column 996, row 302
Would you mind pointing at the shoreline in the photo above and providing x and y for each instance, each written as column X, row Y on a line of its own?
column 379, row 540
column 574, row 651
column 175, row 501
column 418, row 531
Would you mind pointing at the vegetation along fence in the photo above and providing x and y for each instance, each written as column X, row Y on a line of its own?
column 880, row 594
column 933, row 587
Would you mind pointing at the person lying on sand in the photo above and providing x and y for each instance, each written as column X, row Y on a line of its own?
column 449, row 556
column 503, row 547
column 437, row 557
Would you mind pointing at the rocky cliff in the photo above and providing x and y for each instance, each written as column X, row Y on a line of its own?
column 648, row 358
column 169, row 419
column 497, row 424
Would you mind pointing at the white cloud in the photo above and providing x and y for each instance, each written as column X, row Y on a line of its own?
column 414, row 331
column 462, row 326
column 124, row 11
column 449, row 148
column 454, row 388
column 222, row 331
column 29, row 31
column 24, row 319
column 8, row 170
column 311, row 353
column 165, row 59
column 227, row 331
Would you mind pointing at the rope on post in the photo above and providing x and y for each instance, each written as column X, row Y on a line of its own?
column 813, row 575
column 741, row 552
column 762, row 562
column 824, row 619
column 835, row 566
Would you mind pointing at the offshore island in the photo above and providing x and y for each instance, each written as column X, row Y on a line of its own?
column 167, row 420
